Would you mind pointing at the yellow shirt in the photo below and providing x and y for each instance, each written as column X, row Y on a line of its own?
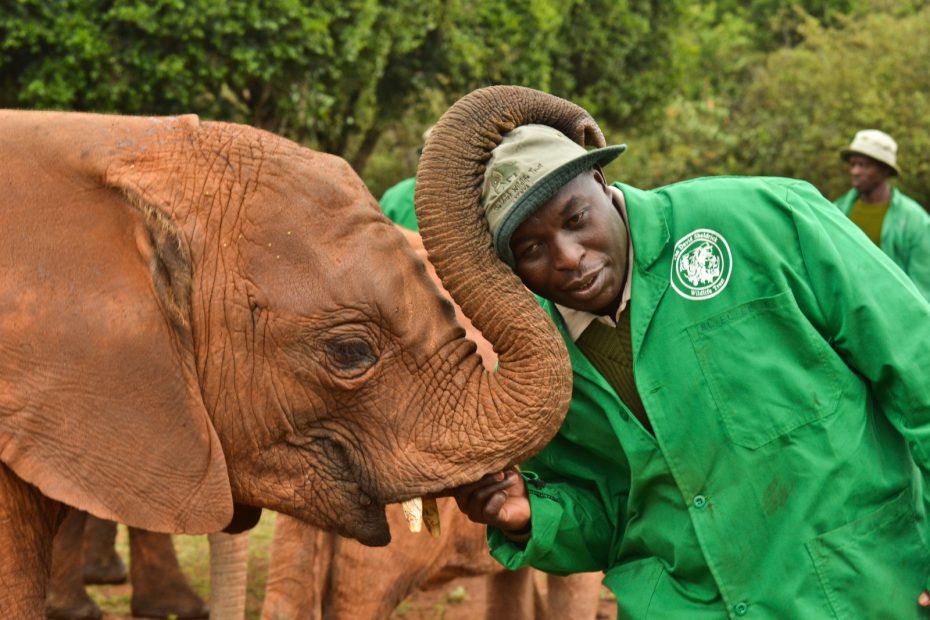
column 869, row 216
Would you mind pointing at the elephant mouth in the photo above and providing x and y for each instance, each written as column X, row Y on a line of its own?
column 355, row 511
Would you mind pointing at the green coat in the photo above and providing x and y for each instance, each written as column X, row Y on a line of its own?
column 777, row 358
column 397, row 204
column 905, row 235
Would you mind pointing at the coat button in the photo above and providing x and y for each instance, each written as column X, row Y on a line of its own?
column 740, row 609
column 699, row 501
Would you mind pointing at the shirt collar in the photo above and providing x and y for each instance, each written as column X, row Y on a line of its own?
column 576, row 321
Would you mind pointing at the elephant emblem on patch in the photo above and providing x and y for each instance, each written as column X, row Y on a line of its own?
column 701, row 264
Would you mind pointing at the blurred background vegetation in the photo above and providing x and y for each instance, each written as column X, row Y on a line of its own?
column 694, row 87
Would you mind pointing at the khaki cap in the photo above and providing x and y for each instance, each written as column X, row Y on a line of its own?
column 530, row 165
column 875, row 144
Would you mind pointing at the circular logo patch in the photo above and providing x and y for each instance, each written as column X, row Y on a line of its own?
column 701, row 264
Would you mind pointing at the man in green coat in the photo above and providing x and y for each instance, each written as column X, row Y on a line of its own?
column 893, row 221
column 397, row 200
column 397, row 204
column 761, row 464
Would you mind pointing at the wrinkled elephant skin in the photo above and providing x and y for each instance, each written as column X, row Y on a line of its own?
column 315, row 574
column 195, row 314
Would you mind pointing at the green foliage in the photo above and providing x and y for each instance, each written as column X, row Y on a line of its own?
column 336, row 75
column 714, row 52
column 789, row 112
column 693, row 139
column 777, row 23
column 808, row 102
column 614, row 58
column 309, row 71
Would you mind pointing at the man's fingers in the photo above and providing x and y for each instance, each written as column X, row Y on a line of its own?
column 476, row 504
column 468, row 491
column 924, row 599
column 493, row 506
column 483, row 481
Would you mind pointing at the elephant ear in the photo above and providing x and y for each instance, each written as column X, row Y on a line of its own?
column 100, row 406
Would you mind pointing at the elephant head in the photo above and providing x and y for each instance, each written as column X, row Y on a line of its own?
column 196, row 313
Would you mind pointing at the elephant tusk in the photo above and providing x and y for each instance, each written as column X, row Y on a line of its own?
column 419, row 510
column 413, row 512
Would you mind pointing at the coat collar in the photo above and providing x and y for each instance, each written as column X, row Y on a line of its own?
column 648, row 213
column 648, row 221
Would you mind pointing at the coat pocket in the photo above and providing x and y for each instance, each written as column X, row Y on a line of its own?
column 876, row 566
column 769, row 370
column 634, row 585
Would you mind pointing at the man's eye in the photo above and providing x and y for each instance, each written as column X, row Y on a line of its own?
column 577, row 218
column 529, row 250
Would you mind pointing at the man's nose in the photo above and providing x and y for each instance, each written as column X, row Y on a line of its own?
column 568, row 254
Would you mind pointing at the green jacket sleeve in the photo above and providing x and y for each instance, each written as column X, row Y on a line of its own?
column 572, row 530
column 873, row 315
column 911, row 242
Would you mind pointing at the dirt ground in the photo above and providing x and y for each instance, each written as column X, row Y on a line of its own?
column 461, row 599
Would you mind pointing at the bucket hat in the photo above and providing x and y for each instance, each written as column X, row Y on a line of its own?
column 530, row 165
column 875, row 144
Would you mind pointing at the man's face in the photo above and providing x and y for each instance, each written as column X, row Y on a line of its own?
column 866, row 174
column 573, row 250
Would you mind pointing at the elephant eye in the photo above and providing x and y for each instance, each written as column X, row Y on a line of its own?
column 350, row 356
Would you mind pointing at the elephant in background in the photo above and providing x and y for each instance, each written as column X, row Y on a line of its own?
column 316, row 575
column 200, row 319
column 84, row 553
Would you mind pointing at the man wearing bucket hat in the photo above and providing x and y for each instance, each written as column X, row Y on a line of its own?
column 893, row 221
column 749, row 394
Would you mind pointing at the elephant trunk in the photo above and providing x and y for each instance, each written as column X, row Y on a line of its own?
column 528, row 395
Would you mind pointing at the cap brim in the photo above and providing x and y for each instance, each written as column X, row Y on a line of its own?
column 543, row 190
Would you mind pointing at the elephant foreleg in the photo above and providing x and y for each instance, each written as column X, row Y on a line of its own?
column 159, row 588
column 66, row 598
column 229, row 558
column 301, row 558
column 28, row 521
column 574, row 596
column 510, row 595
column 102, row 564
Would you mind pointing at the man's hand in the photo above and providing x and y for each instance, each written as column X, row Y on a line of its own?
column 924, row 599
column 498, row 500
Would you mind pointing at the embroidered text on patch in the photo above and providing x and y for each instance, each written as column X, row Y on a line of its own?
column 701, row 264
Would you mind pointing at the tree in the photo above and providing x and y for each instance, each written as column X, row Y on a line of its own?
column 335, row 75
column 808, row 102
column 305, row 70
